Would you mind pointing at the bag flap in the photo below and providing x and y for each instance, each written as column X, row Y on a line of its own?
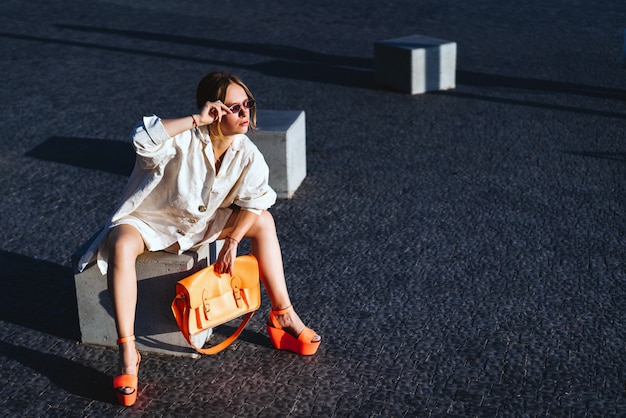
column 245, row 269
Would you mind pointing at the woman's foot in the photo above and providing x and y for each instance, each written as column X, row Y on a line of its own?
column 129, row 356
column 125, row 384
column 288, row 332
column 291, row 322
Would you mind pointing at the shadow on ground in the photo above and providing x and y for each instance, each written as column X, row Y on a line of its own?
column 287, row 62
column 114, row 157
column 38, row 295
column 69, row 375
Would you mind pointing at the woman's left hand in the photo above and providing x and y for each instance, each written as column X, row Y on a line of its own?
column 226, row 257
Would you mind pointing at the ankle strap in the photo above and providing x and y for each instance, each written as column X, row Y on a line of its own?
column 282, row 311
column 125, row 339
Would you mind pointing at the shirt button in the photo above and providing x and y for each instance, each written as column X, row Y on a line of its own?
column 181, row 232
column 202, row 208
column 192, row 221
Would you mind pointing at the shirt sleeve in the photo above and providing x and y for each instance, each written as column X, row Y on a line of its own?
column 256, row 194
column 152, row 144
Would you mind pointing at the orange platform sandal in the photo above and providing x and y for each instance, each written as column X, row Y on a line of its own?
column 124, row 382
column 282, row 340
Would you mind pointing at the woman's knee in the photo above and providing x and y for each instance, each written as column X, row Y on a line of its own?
column 125, row 240
column 264, row 224
column 266, row 221
column 267, row 218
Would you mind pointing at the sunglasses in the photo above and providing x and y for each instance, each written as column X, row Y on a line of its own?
column 248, row 104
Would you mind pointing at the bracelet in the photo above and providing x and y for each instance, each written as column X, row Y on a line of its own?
column 232, row 239
column 195, row 124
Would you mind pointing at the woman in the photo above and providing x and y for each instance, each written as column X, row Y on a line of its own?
column 197, row 179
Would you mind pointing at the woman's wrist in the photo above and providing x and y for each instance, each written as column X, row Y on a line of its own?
column 194, row 121
column 232, row 239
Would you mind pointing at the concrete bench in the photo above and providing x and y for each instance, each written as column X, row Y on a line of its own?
column 416, row 64
column 155, row 327
column 281, row 137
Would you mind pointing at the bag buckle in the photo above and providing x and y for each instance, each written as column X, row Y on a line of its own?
column 205, row 303
column 235, row 284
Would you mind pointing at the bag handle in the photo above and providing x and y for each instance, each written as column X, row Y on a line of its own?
column 184, row 328
column 228, row 341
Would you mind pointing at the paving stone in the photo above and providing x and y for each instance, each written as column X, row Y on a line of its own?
column 461, row 252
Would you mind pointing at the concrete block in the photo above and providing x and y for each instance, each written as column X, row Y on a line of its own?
column 155, row 327
column 416, row 64
column 281, row 137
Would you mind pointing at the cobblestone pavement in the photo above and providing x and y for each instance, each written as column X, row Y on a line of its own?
column 461, row 252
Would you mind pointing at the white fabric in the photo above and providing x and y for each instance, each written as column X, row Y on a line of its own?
column 173, row 194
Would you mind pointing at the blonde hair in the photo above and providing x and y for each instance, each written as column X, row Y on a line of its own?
column 213, row 87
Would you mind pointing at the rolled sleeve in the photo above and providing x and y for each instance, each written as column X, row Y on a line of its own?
column 256, row 194
column 255, row 211
column 151, row 142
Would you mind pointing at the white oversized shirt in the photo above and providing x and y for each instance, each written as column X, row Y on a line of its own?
column 174, row 195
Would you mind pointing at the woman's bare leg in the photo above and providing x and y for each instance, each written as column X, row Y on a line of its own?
column 125, row 244
column 266, row 248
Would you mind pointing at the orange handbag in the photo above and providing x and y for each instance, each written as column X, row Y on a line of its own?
column 207, row 299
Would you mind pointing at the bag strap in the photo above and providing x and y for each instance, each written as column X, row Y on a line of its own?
column 228, row 341
column 180, row 311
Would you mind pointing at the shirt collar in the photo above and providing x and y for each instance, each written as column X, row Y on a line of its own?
column 203, row 135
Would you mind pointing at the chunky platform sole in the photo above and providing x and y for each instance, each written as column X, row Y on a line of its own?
column 282, row 340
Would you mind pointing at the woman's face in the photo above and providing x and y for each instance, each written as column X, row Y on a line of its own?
column 235, row 123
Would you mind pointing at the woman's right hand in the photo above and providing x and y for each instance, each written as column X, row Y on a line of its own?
column 212, row 112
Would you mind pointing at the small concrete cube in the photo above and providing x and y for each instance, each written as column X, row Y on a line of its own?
column 155, row 326
column 416, row 64
column 281, row 138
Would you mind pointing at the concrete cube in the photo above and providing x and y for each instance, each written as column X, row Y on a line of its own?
column 281, row 137
column 157, row 275
column 416, row 64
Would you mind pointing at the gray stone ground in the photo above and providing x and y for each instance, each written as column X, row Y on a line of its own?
column 461, row 252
